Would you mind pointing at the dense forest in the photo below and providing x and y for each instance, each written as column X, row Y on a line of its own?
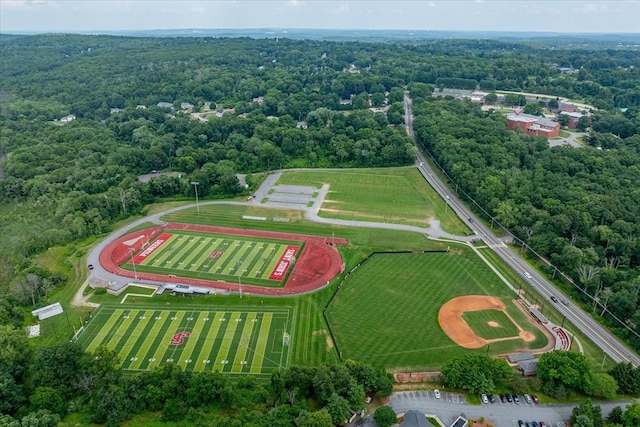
column 208, row 109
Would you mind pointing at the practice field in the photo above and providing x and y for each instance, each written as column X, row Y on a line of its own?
column 213, row 257
column 397, row 195
column 227, row 340
column 386, row 312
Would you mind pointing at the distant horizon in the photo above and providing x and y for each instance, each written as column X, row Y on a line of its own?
column 98, row 16
column 284, row 30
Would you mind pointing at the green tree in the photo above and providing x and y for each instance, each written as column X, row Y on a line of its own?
column 567, row 368
column 48, row 398
column 338, row 409
column 314, row 419
column 602, row 385
column 385, row 416
column 631, row 415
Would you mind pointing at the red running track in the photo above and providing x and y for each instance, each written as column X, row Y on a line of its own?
column 318, row 264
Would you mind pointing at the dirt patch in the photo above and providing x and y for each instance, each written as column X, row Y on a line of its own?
column 452, row 323
column 526, row 336
column 329, row 343
column 493, row 324
column 320, row 332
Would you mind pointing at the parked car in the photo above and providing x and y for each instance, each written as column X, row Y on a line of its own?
column 516, row 399
column 90, row 266
column 535, row 424
column 437, row 393
column 485, row 399
column 542, row 424
column 492, row 398
column 554, row 298
column 527, row 398
column 535, row 398
column 520, row 423
column 509, row 398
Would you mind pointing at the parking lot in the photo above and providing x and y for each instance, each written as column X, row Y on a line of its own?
column 502, row 414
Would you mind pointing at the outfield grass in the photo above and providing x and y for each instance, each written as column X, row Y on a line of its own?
column 479, row 320
column 386, row 313
column 211, row 256
column 396, row 195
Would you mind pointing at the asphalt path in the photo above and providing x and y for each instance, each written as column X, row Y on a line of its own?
column 610, row 344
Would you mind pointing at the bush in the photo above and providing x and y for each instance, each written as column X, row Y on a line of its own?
column 385, row 416
column 100, row 291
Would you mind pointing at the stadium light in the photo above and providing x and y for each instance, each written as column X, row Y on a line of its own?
column 195, row 187
column 239, row 262
column 135, row 274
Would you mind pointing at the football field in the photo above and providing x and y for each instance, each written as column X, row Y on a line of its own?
column 226, row 340
column 208, row 256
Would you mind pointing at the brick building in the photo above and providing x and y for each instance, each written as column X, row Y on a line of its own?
column 533, row 125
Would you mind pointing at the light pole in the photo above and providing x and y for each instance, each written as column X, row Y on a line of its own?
column 239, row 262
column 135, row 274
column 195, row 187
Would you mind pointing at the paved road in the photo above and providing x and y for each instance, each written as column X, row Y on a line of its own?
column 604, row 339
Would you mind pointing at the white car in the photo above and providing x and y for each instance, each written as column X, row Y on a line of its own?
column 437, row 393
column 527, row 275
column 485, row 399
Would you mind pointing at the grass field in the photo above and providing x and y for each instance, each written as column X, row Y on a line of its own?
column 397, row 195
column 236, row 341
column 386, row 313
column 478, row 321
column 211, row 256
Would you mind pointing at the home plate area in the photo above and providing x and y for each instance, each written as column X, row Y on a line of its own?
column 236, row 342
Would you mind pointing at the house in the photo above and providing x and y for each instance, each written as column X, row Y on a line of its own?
column 533, row 125
column 114, row 110
column 186, row 106
column 67, row 119
column 415, row 418
column 141, row 107
column 259, row 100
column 165, row 105
column 301, row 125
column 460, row 422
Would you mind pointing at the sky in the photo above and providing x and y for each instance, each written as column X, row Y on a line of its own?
column 566, row 16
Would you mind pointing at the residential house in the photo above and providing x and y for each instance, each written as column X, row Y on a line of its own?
column 187, row 106
column 114, row 110
column 165, row 105
column 533, row 125
column 141, row 107
column 66, row 119
column 413, row 418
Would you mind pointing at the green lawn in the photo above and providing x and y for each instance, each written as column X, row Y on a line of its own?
column 397, row 195
column 386, row 313
column 479, row 320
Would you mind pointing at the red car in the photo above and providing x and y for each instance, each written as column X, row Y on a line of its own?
column 535, row 398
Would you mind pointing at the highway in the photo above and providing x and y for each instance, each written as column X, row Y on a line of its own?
column 604, row 339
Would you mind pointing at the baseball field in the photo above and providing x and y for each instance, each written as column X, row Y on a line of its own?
column 388, row 311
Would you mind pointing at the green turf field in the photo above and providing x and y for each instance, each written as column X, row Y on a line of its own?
column 386, row 313
column 235, row 341
column 397, row 195
column 214, row 257
column 479, row 320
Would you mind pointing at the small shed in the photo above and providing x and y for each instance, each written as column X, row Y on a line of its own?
column 528, row 367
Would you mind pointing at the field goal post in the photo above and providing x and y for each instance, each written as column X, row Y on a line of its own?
column 285, row 339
